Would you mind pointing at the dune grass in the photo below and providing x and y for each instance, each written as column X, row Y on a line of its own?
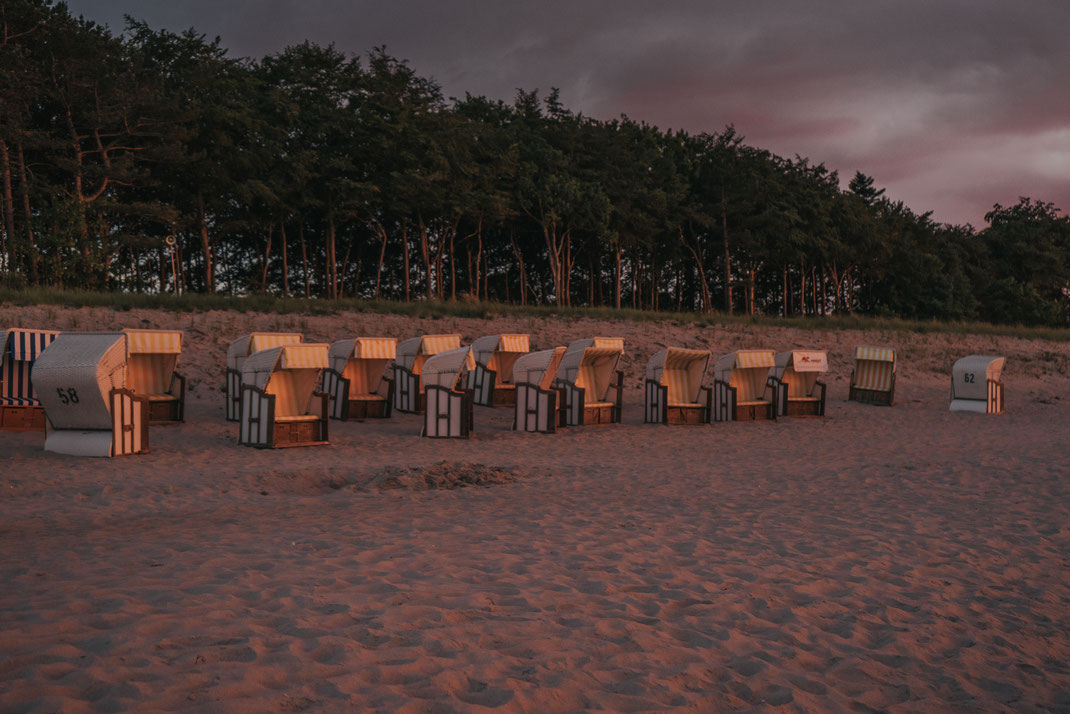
column 197, row 302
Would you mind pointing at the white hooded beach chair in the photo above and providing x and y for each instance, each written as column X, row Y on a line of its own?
column 536, row 399
column 492, row 379
column 150, row 372
column 977, row 385
column 740, row 386
column 409, row 363
column 89, row 411
column 280, row 406
column 237, row 353
column 448, row 412
column 794, row 379
column 20, row 409
column 592, row 383
column 873, row 376
column 356, row 381
column 673, row 389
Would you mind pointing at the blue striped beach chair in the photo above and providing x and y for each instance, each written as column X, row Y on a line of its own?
column 20, row 408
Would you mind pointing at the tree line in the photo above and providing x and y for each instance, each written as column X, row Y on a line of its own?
column 155, row 161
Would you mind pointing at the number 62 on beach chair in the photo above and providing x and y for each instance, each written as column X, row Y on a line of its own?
column 976, row 385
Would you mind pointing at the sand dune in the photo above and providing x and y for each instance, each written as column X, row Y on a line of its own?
column 904, row 559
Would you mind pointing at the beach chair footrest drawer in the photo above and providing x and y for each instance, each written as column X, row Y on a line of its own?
column 804, row 407
column 685, row 414
column 754, row 411
column 297, row 433
column 367, row 409
column 22, row 418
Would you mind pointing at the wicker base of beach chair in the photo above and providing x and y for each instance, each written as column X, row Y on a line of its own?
column 22, row 419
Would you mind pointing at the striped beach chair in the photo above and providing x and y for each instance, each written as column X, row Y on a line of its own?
column 448, row 412
column 740, row 386
column 873, row 376
column 20, row 409
column 356, row 381
column 592, row 384
column 492, row 379
column 536, row 399
column 238, row 351
column 151, row 372
column 794, row 379
column 673, row 389
column 411, row 355
column 89, row 408
column 280, row 406
column 977, row 384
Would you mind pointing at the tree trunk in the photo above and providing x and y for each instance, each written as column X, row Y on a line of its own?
column 206, row 245
column 616, row 297
column 802, row 285
column 332, row 257
column 304, row 257
column 784, row 307
column 24, row 189
column 425, row 250
column 405, row 251
column 285, row 260
column 523, row 273
column 727, row 254
column 9, row 206
column 267, row 257
column 453, row 267
column 382, row 257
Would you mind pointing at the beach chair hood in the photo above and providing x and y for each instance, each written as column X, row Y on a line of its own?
column 800, row 369
column 412, row 353
column 538, row 368
column 290, row 372
column 874, row 368
column 361, row 348
column 590, row 365
column 75, row 376
column 151, row 359
column 500, row 352
column 446, row 368
column 970, row 376
column 242, row 347
column 681, row 370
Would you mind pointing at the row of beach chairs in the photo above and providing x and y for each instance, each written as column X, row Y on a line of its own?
column 95, row 394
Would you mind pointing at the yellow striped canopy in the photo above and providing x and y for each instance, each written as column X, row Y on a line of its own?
column 154, row 342
column 433, row 344
column 303, row 356
column 747, row 371
column 375, row 348
column 681, row 370
column 266, row 340
column 876, row 354
column 616, row 343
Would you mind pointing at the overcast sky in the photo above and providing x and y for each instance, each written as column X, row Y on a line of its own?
column 952, row 105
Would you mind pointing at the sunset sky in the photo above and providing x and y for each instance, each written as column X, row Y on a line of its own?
column 951, row 105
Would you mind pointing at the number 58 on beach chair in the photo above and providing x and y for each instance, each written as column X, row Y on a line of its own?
column 976, row 385
column 873, row 376
column 89, row 409
column 280, row 406
column 20, row 409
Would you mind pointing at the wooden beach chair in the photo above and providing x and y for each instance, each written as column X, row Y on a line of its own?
column 536, row 398
column 280, row 406
column 591, row 381
column 448, row 412
column 740, row 386
column 673, row 390
column 794, row 379
column 81, row 380
column 356, row 381
column 492, row 379
column 20, row 409
column 977, row 385
column 150, row 372
column 238, row 351
column 873, row 376
column 411, row 356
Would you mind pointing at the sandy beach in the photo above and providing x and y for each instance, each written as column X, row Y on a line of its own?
column 902, row 559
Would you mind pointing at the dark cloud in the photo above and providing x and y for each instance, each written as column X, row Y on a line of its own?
column 951, row 105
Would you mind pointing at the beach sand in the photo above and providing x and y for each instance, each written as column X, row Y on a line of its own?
column 903, row 559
